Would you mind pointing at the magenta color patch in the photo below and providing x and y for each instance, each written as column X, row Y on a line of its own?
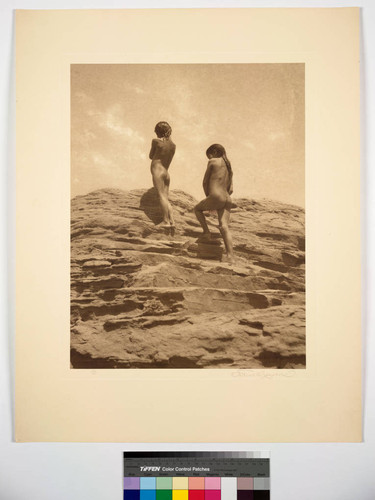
column 212, row 483
column 212, row 495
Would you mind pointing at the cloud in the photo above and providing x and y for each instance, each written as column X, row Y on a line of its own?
column 248, row 144
column 113, row 121
column 107, row 149
column 100, row 160
column 194, row 126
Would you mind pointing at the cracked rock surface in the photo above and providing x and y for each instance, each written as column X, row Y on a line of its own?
column 148, row 297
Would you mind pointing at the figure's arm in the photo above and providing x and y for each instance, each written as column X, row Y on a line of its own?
column 206, row 179
column 230, row 187
column 152, row 150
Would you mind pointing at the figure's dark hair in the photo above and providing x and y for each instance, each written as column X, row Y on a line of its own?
column 218, row 151
column 163, row 129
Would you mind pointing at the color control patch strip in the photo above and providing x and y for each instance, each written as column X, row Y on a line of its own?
column 196, row 476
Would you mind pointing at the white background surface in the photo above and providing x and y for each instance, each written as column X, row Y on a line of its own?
column 48, row 471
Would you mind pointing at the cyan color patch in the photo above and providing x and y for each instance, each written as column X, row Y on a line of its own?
column 148, row 483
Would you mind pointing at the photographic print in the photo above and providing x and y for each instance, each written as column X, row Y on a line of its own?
column 187, row 216
column 162, row 188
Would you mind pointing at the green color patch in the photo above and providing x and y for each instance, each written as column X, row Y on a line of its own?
column 164, row 483
column 163, row 494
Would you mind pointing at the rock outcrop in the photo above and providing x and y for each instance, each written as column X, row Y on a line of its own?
column 146, row 297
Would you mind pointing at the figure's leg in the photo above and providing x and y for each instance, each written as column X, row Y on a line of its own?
column 224, row 218
column 170, row 212
column 202, row 221
column 198, row 209
column 159, row 185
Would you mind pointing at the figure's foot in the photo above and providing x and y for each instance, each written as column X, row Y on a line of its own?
column 164, row 224
column 228, row 259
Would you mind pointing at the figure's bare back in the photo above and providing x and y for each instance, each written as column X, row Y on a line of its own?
column 219, row 177
column 162, row 151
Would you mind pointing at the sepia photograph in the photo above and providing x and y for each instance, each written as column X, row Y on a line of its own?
column 187, row 216
column 187, row 196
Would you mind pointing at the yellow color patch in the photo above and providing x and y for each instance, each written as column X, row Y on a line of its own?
column 180, row 495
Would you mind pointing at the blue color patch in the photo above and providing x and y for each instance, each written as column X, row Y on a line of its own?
column 148, row 483
column 148, row 495
column 131, row 494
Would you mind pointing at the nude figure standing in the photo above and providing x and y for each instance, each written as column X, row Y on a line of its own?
column 161, row 155
column 218, row 186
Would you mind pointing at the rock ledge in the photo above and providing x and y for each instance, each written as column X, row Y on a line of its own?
column 145, row 297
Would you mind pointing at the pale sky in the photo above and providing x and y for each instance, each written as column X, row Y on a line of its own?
column 256, row 111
